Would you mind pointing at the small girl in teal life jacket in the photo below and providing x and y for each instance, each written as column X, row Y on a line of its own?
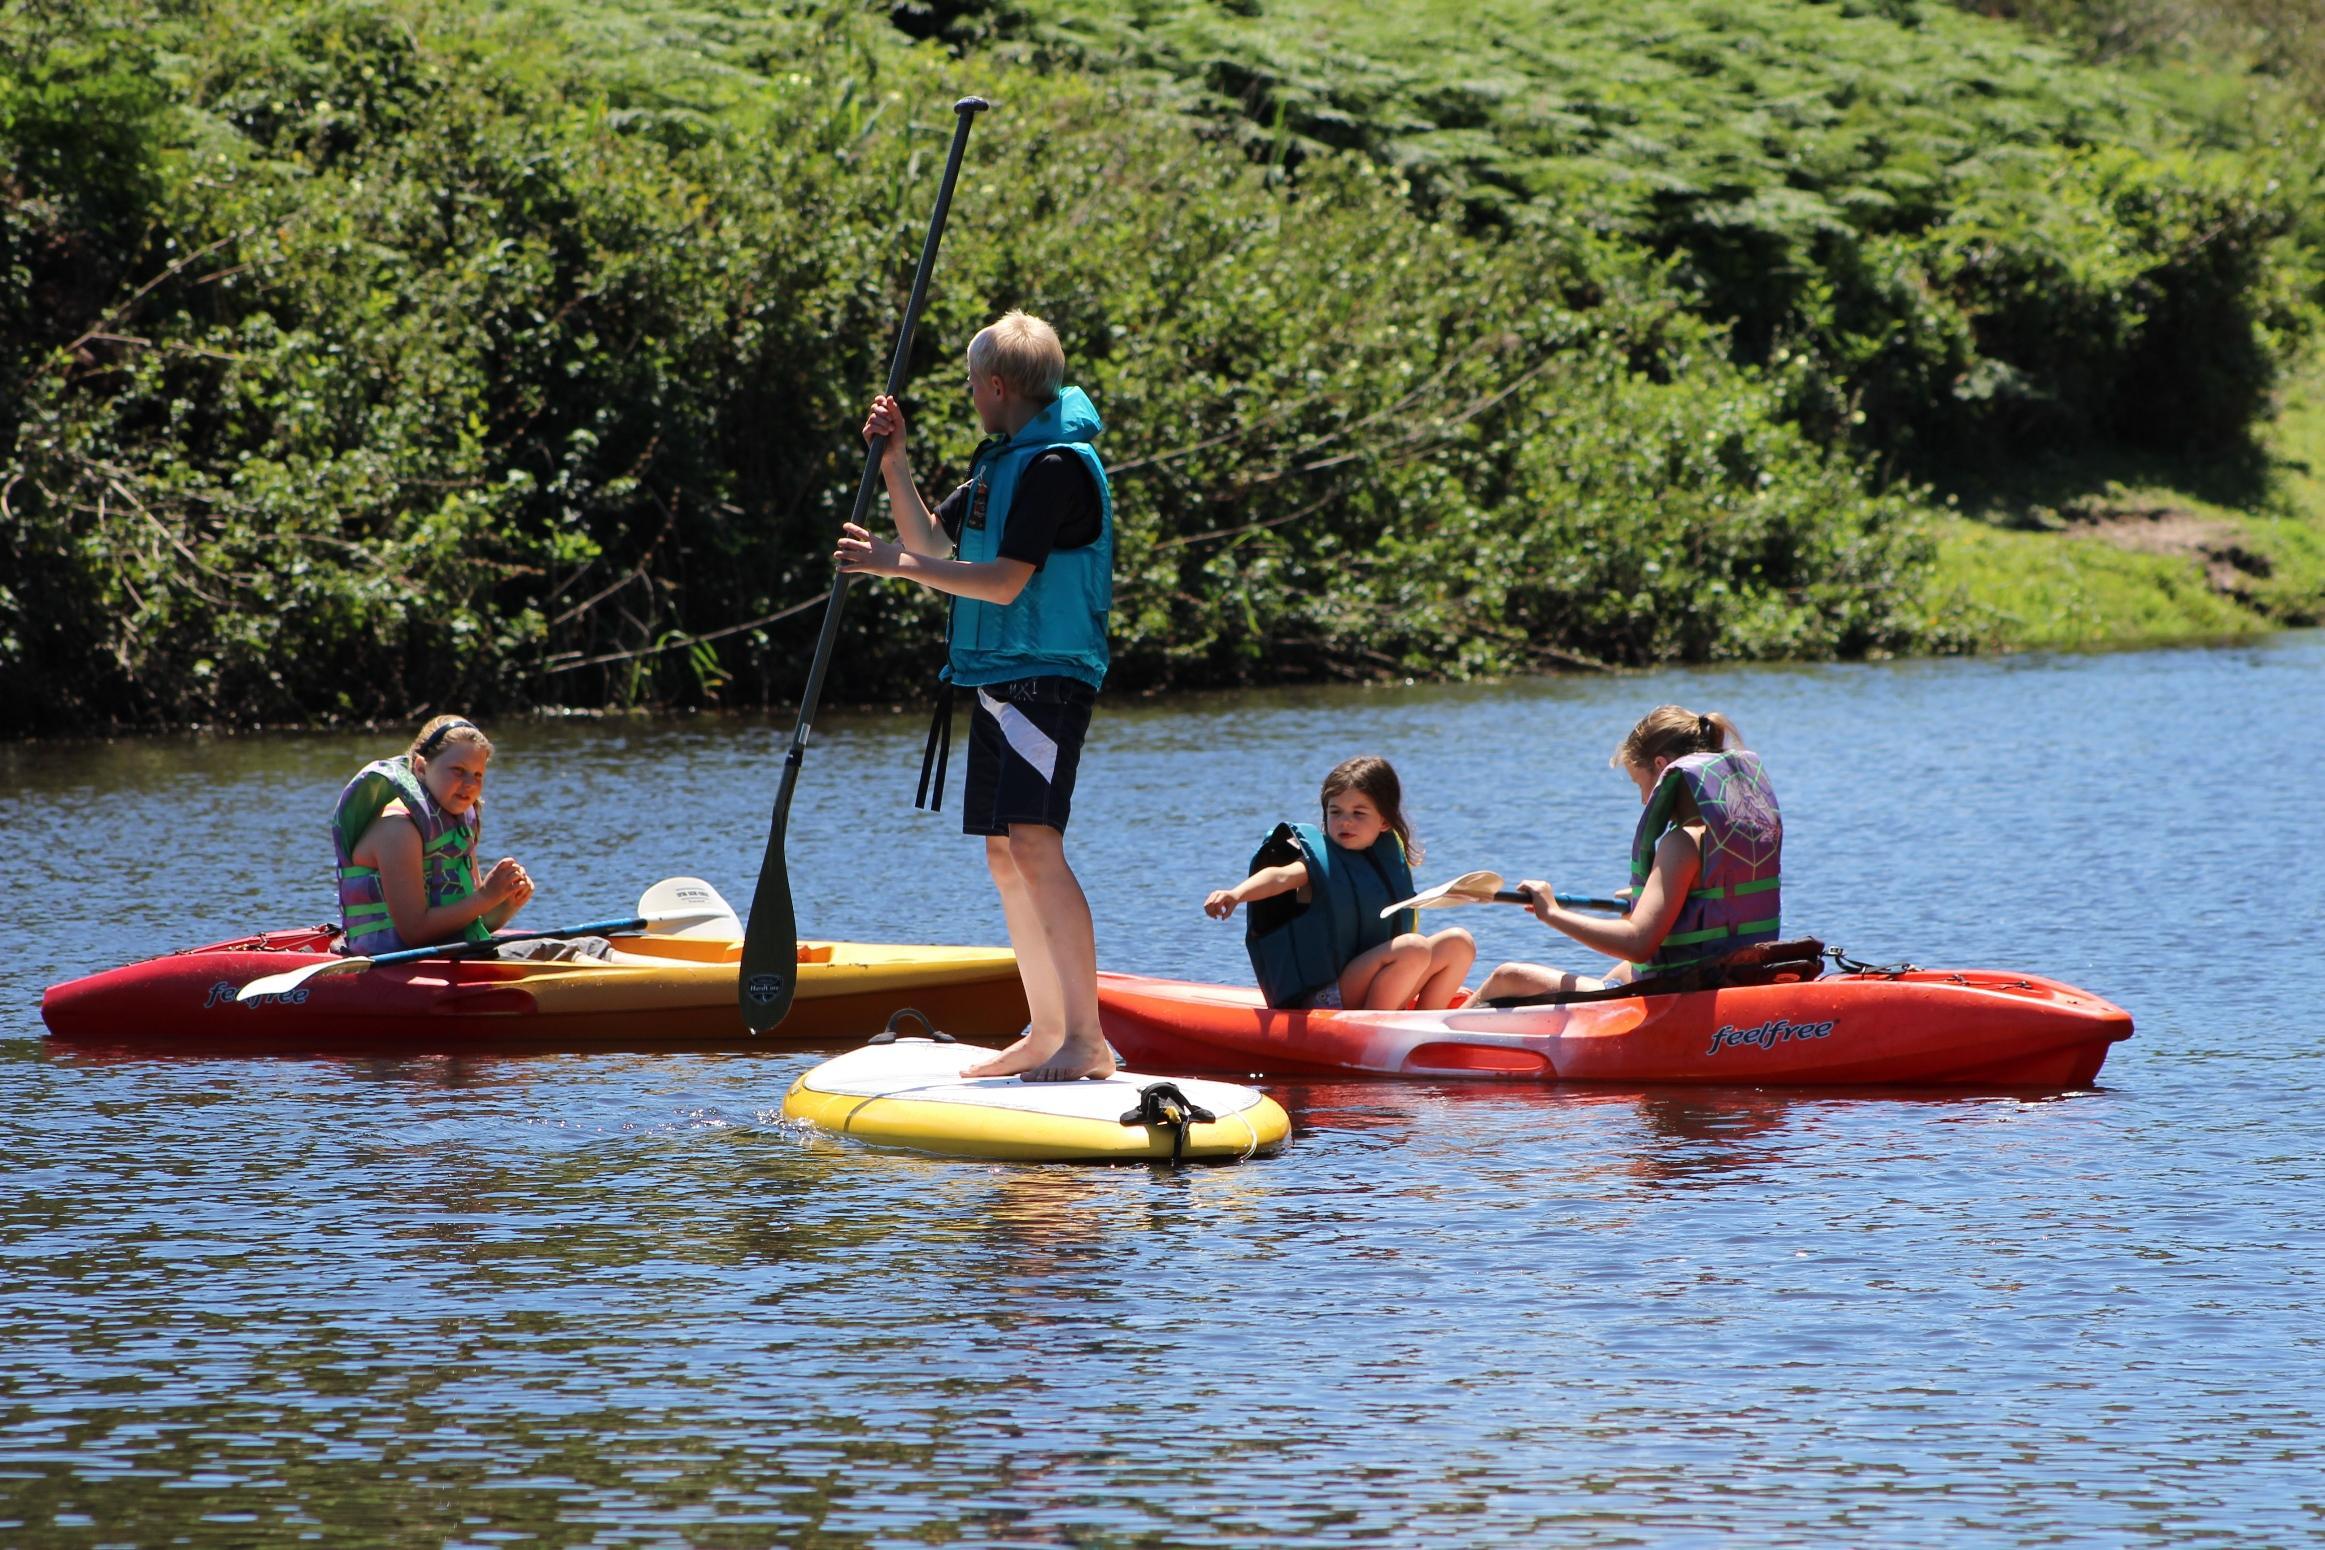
column 1315, row 932
column 1706, row 859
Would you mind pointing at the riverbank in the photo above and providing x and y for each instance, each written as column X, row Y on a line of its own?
column 382, row 356
column 2086, row 561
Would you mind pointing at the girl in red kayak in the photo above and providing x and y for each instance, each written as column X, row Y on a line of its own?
column 1706, row 859
column 405, row 833
column 1315, row 931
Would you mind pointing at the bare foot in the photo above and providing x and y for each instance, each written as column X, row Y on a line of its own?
column 1050, row 1058
column 1010, row 1050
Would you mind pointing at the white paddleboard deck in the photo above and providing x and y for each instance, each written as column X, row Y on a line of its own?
column 911, row 1094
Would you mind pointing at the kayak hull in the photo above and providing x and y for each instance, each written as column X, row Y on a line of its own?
column 666, row 992
column 909, row 1096
column 1969, row 1028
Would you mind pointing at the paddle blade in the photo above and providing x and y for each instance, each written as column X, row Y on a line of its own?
column 291, row 979
column 688, row 907
column 770, row 967
column 1468, row 888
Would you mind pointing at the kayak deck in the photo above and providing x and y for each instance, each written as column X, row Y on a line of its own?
column 661, row 992
column 1923, row 1028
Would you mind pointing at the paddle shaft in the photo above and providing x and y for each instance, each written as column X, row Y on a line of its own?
column 1572, row 901
column 467, row 949
column 771, row 939
column 291, row 979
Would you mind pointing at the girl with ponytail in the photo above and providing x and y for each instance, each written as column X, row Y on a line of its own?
column 1706, row 859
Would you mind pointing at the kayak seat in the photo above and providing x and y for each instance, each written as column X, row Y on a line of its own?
column 1763, row 963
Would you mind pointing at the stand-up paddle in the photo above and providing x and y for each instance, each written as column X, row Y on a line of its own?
column 1486, row 888
column 770, row 971
column 676, row 906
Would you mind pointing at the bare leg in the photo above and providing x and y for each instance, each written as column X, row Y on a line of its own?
column 1384, row 978
column 1055, row 925
column 1531, row 979
column 1047, row 1013
column 1451, row 952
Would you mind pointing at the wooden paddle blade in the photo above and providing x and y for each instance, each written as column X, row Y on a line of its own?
column 1468, row 888
column 770, row 967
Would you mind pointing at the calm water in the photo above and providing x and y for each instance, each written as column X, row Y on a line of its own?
column 612, row 1300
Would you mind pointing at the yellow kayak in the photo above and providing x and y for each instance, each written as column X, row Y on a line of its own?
column 658, row 991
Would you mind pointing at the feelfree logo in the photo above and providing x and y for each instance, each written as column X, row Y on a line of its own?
column 1767, row 1035
column 223, row 992
column 764, row 988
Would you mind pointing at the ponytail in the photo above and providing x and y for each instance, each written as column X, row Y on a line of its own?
column 1673, row 732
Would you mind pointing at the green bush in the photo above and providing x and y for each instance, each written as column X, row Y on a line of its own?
column 1949, row 240
column 369, row 357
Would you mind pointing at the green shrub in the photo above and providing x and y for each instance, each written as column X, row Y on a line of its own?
column 378, row 356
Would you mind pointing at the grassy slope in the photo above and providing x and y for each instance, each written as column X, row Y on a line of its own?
column 2036, row 581
column 1517, row 99
column 2032, row 577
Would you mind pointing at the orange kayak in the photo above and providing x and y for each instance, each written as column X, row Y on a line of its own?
column 1968, row 1027
column 664, row 991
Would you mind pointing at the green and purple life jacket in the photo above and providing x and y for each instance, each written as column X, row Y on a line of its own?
column 1738, row 894
column 1298, row 949
column 447, row 854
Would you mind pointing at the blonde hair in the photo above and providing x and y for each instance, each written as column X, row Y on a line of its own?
column 436, row 731
column 1674, row 732
column 1376, row 778
column 1023, row 352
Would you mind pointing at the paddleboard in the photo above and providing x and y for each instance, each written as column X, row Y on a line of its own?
column 910, row 1093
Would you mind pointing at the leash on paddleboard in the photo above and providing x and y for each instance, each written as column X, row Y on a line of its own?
column 1161, row 1104
column 770, row 969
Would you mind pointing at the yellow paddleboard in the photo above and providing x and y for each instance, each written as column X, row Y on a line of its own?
column 910, row 1094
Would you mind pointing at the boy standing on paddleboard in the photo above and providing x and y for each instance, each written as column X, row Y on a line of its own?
column 1025, row 548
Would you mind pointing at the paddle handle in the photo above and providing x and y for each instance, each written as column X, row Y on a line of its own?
column 1572, row 901
column 769, row 974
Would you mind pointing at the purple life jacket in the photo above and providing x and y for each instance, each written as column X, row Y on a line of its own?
column 447, row 854
column 1738, row 894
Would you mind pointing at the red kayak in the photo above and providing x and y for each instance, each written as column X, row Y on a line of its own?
column 662, row 991
column 1923, row 1027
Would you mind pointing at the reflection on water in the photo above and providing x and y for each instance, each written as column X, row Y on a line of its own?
column 565, row 1299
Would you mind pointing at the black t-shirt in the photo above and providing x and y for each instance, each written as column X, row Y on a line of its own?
column 1055, row 507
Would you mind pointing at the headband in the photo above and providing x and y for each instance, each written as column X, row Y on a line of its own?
column 435, row 739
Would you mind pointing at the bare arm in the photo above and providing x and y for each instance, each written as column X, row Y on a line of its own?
column 1265, row 883
column 392, row 845
column 987, row 581
column 1635, row 937
column 916, row 525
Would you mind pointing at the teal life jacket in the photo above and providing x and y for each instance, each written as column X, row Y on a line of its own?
column 447, row 854
column 1738, row 894
column 1056, row 626
column 1298, row 949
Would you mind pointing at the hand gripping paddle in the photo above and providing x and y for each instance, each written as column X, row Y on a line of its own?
column 770, row 971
